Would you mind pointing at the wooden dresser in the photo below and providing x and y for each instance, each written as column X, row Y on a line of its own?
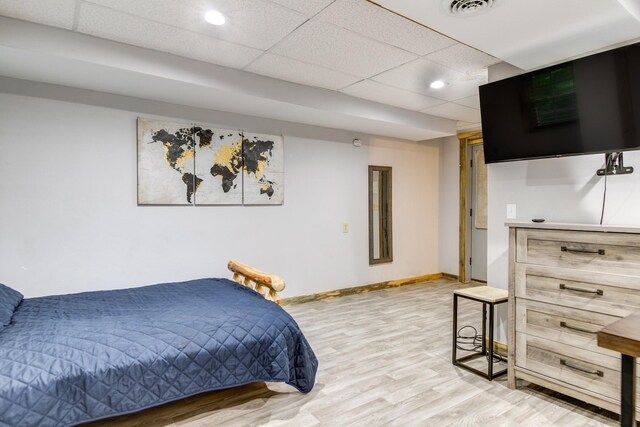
column 566, row 282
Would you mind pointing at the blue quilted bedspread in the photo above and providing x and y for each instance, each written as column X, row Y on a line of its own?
column 74, row 358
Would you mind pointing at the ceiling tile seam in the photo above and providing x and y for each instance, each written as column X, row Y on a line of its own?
column 466, row 72
column 401, row 65
column 171, row 26
column 425, row 26
column 308, row 16
column 400, row 89
column 463, row 44
column 287, row 7
column 424, row 59
column 380, row 41
column 307, row 63
column 323, row 9
column 351, row 84
column 315, row 19
column 76, row 15
column 302, row 62
column 462, row 105
column 276, row 44
column 415, row 110
column 440, row 49
column 287, row 37
column 244, row 68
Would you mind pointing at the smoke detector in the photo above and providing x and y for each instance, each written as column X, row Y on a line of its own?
column 465, row 8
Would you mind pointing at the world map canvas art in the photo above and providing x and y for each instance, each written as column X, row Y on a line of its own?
column 263, row 178
column 188, row 164
column 219, row 163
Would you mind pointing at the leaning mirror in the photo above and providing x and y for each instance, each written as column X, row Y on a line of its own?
column 380, row 235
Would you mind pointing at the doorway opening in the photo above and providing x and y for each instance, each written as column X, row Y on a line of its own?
column 473, row 209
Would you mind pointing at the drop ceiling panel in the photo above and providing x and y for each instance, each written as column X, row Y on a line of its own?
column 372, row 21
column 472, row 101
column 110, row 24
column 417, row 75
column 467, row 126
column 254, row 23
column 454, row 111
column 332, row 47
column 295, row 71
column 56, row 13
column 307, row 7
column 462, row 58
column 353, row 45
column 527, row 33
column 384, row 94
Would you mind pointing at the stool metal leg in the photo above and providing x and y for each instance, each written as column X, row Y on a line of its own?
column 455, row 330
column 484, row 328
column 490, row 367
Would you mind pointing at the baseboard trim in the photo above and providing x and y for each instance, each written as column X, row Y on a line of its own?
column 500, row 348
column 364, row 289
column 450, row 276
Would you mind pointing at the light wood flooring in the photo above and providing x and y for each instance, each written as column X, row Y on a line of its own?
column 385, row 359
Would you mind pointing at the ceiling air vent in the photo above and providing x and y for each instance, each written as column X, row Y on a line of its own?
column 468, row 7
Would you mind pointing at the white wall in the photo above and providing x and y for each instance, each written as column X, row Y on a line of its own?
column 69, row 220
column 559, row 190
column 449, row 205
column 415, row 177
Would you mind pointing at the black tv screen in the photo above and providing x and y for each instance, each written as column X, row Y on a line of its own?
column 590, row 105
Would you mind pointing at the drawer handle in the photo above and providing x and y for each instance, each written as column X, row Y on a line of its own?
column 577, row 368
column 586, row 291
column 573, row 328
column 582, row 251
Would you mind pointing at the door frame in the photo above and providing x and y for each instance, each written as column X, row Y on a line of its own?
column 466, row 139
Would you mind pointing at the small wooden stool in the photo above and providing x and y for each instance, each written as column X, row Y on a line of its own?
column 488, row 297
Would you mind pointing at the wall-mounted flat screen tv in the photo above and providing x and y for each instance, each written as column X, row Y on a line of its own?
column 590, row 105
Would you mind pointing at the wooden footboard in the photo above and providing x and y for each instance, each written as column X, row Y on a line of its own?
column 267, row 285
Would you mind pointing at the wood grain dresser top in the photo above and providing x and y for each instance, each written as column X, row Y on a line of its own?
column 573, row 226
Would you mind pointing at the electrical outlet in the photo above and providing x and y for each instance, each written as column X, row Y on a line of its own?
column 345, row 228
column 511, row 211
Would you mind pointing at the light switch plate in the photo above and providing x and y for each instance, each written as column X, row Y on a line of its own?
column 511, row 211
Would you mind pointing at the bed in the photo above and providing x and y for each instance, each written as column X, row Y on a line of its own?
column 70, row 359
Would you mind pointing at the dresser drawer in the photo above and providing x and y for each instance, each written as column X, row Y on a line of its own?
column 594, row 251
column 565, row 325
column 615, row 295
column 576, row 367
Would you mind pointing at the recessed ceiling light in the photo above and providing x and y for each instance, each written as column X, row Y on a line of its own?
column 437, row 84
column 214, row 17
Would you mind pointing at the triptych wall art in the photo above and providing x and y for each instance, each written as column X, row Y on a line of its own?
column 190, row 164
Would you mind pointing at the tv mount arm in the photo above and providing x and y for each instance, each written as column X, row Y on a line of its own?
column 614, row 165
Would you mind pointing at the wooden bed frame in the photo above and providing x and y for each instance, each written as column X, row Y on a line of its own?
column 267, row 285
